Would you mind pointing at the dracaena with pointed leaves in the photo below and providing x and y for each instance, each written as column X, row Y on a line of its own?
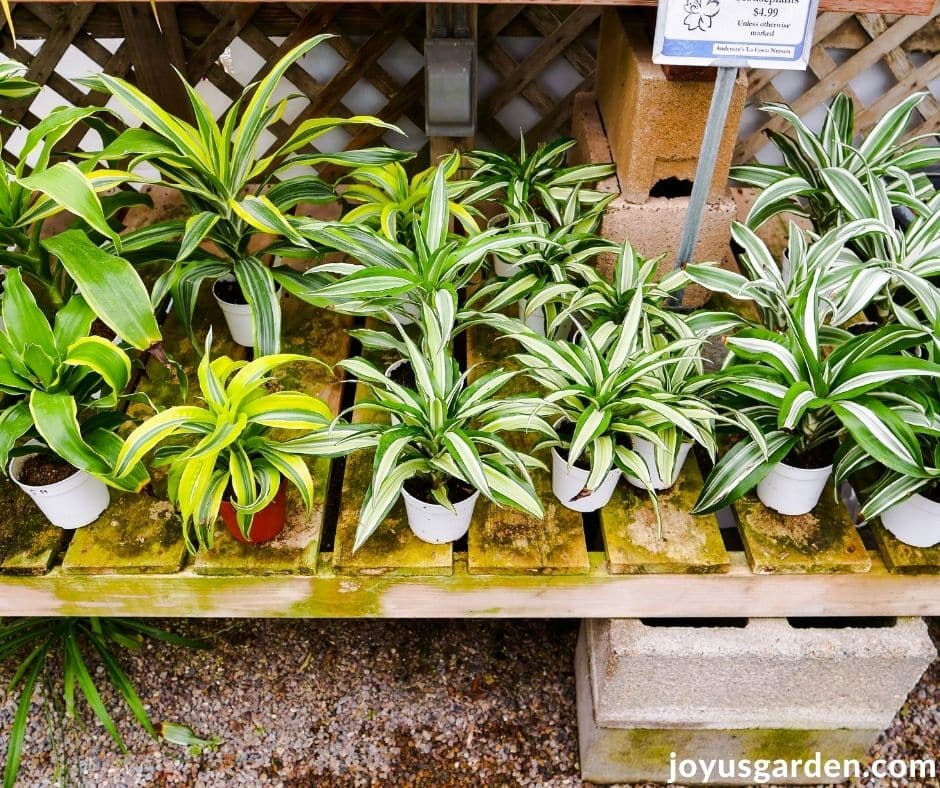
column 798, row 186
column 61, row 387
column 86, row 256
column 843, row 284
column 215, row 164
column 611, row 385
column 549, row 264
column 386, row 277
column 539, row 180
column 386, row 199
column 234, row 442
column 810, row 391
column 445, row 427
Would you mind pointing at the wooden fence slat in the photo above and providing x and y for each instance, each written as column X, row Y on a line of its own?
column 504, row 541
column 689, row 544
column 822, row 542
column 903, row 558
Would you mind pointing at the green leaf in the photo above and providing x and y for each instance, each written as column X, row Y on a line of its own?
column 55, row 417
column 111, row 287
column 257, row 285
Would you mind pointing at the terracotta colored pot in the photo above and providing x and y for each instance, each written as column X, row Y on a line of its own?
column 267, row 524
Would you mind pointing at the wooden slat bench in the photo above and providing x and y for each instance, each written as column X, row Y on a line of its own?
column 132, row 561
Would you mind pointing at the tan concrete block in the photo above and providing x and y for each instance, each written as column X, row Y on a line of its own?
column 638, row 755
column 655, row 226
column 655, row 125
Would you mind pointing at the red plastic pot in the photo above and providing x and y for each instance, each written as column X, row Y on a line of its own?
column 266, row 525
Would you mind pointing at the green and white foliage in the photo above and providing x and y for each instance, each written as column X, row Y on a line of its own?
column 215, row 164
column 234, row 443
column 811, row 388
column 549, row 262
column 798, row 186
column 539, row 181
column 87, row 255
column 843, row 285
column 13, row 85
column 599, row 300
column 61, row 387
column 445, row 427
column 612, row 385
column 892, row 262
column 388, row 279
column 385, row 199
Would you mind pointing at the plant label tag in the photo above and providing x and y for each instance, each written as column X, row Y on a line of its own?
column 775, row 34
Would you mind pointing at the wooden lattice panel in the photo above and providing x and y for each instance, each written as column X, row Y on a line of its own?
column 872, row 42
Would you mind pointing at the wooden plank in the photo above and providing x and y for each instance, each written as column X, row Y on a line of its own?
column 504, row 541
column 902, row 558
column 321, row 334
column 29, row 543
column 393, row 549
column 823, row 541
column 689, row 544
column 855, row 6
column 596, row 594
column 156, row 48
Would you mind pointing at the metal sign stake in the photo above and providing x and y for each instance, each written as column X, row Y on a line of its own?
column 705, row 169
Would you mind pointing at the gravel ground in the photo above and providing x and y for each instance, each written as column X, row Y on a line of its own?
column 300, row 703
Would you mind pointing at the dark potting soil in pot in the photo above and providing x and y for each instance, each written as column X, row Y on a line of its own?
column 420, row 488
column 41, row 470
column 403, row 375
column 932, row 492
column 229, row 291
column 819, row 457
column 101, row 329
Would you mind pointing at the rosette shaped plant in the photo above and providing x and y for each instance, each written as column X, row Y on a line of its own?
column 237, row 447
column 215, row 164
column 62, row 387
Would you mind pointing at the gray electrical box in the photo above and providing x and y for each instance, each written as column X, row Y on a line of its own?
column 450, row 87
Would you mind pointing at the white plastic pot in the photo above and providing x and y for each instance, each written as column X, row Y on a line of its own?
column 70, row 503
column 436, row 524
column 647, row 451
column 500, row 266
column 568, row 482
column 790, row 490
column 915, row 521
column 536, row 322
column 237, row 316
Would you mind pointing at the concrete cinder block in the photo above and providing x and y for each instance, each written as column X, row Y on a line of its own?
column 655, row 124
column 639, row 755
column 655, row 226
column 767, row 674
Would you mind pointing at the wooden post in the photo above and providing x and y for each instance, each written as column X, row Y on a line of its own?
column 155, row 50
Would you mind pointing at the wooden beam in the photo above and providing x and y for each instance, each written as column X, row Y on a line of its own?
column 155, row 50
column 921, row 7
column 461, row 595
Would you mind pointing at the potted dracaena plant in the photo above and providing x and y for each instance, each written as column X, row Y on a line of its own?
column 799, row 186
column 814, row 390
column 215, row 164
column 84, row 256
column 544, row 278
column 387, row 278
column 539, row 181
column 241, row 460
column 384, row 198
column 59, row 414
column 441, row 446
column 601, row 391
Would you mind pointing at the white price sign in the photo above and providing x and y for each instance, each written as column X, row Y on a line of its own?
column 774, row 34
